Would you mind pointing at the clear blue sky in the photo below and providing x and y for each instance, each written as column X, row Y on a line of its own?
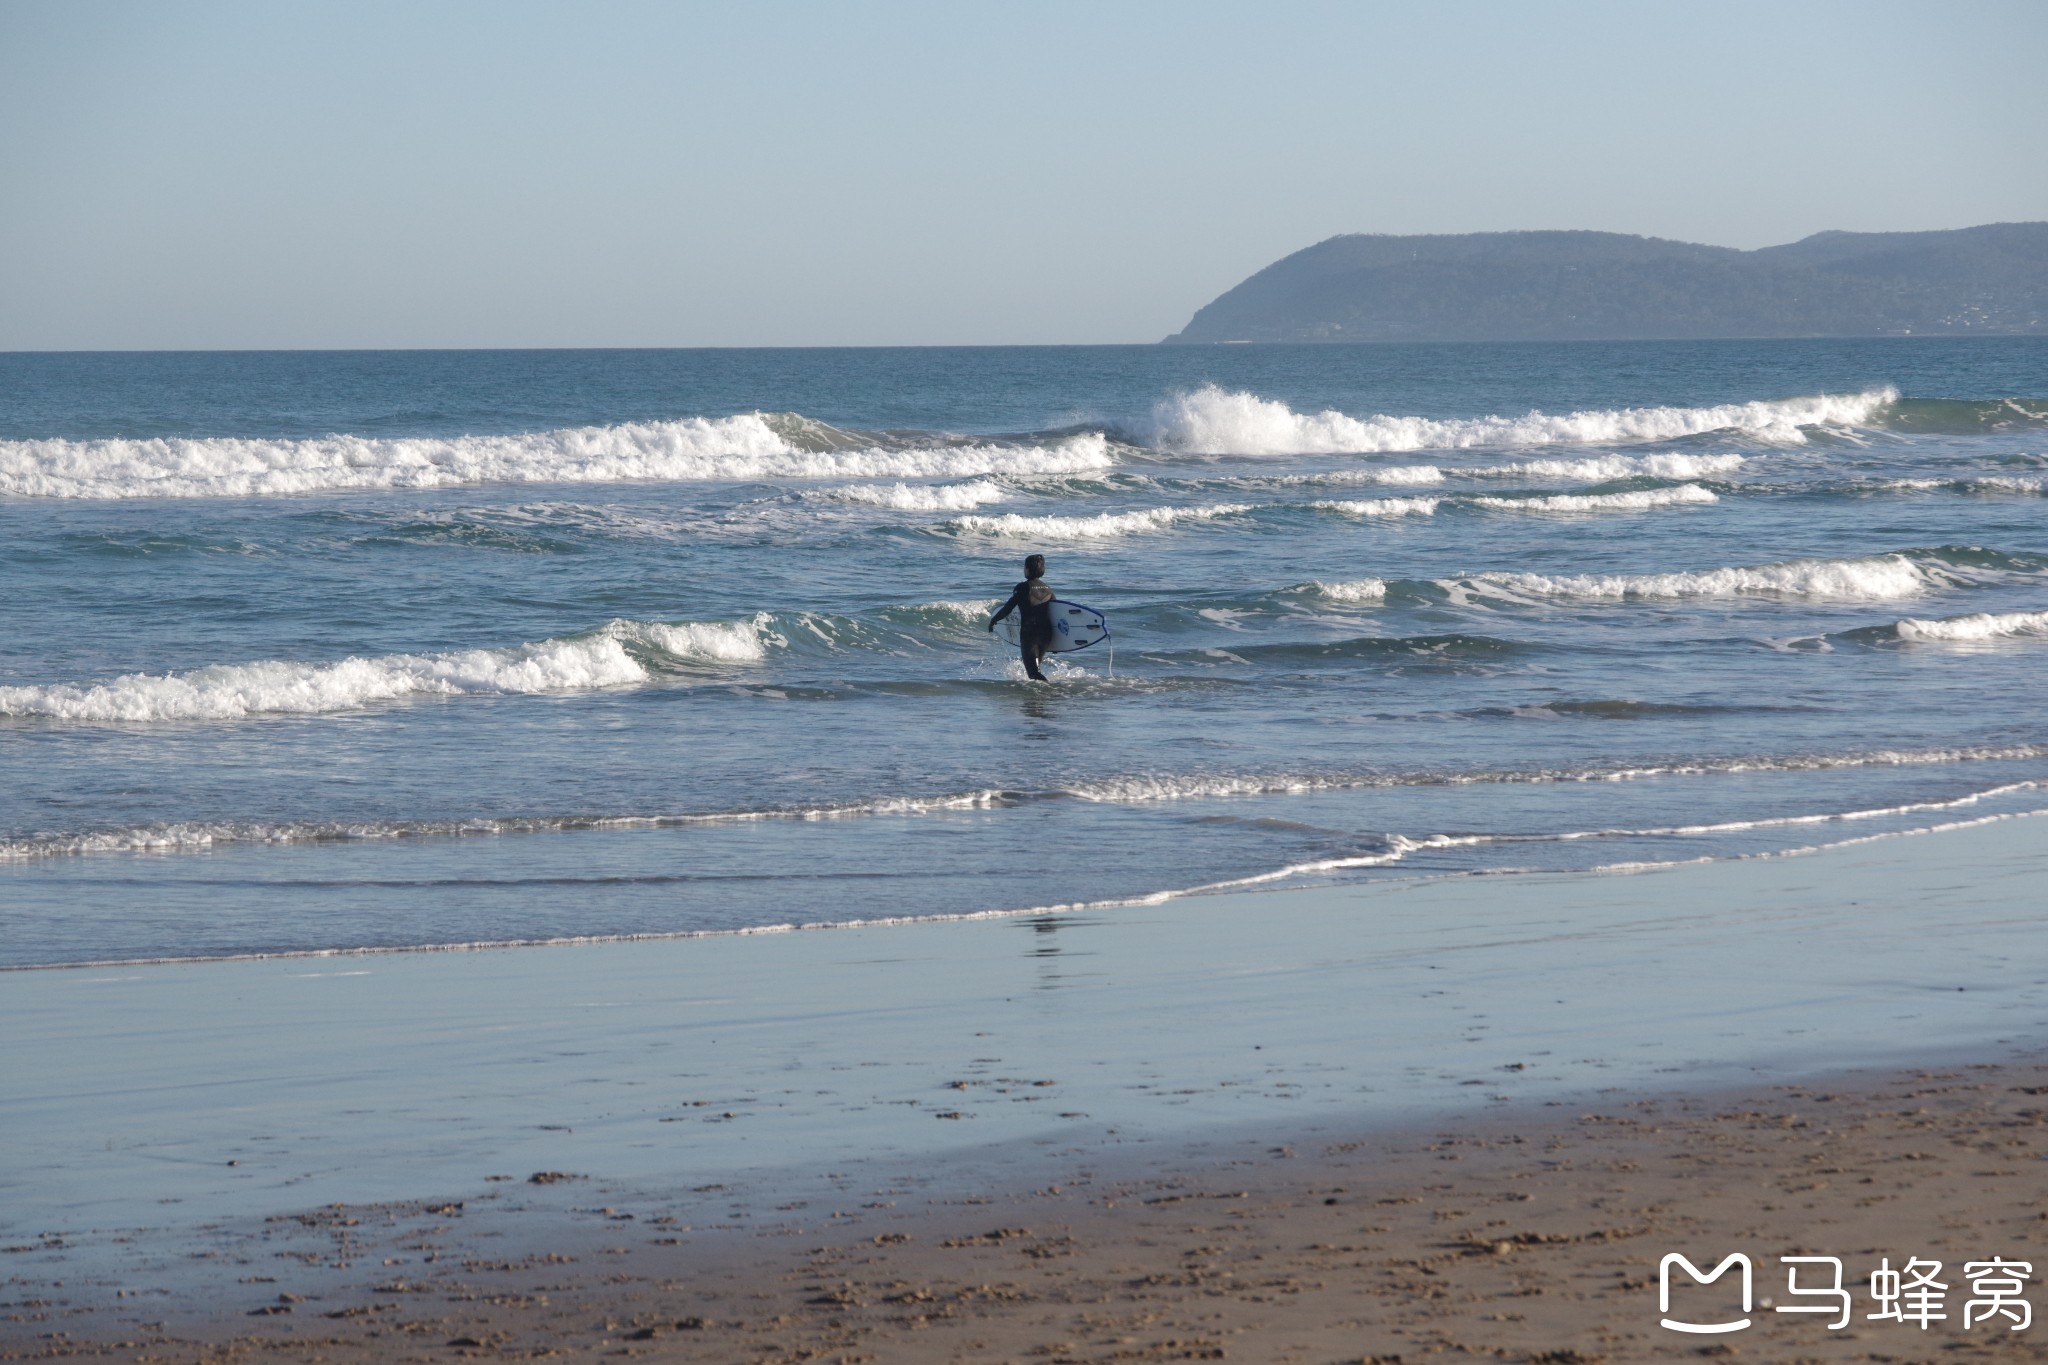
column 503, row 173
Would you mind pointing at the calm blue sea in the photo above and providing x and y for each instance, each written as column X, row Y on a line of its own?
column 316, row 651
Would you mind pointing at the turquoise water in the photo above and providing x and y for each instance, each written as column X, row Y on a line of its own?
column 310, row 651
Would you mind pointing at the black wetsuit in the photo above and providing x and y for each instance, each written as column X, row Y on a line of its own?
column 1034, row 622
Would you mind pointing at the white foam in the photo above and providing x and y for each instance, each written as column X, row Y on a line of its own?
column 1140, row 788
column 1410, row 475
column 1769, row 854
column 1638, row 500
column 1601, row 468
column 1874, row 579
column 1737, row 826
column 289, row 687
column 1103, row 526
column 1133, row 789
column 905, row 497
column 695, row 448
column 1594, row 469
column 1215, row 421
column 1635, row 501
column 1379, row 507
column 1357, row 590
column 1995, row 483
column 975, row 610
column 195, row 836
column 1980, row 626
column 702, row 641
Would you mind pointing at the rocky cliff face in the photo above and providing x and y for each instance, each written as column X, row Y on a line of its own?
column 1557, row 286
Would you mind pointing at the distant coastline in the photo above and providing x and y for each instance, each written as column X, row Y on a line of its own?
column 1605, row 286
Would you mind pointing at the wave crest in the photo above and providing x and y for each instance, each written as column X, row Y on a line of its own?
column 1013, row 526
column 1875, row 578
column 750, row 446
column 1686, row 494
column 1215, row 421
column 1380, row 507
column 618, row 655
column 1978, row 626
column 1636, row 500
column 1594, row 469
column 1357, row 590
column 905, row 497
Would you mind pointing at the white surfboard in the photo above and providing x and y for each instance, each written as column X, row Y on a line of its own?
column 1073, row 627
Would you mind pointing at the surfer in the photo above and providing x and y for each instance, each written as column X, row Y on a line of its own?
column 1032, row 601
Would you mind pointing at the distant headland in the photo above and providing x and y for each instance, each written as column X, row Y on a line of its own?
column 1563, row 286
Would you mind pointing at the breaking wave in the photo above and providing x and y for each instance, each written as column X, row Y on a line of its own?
column 1637, row 500
column 905, row 497
column 626, row 653
column 1108, row 525
column 1600, row 469
column 1979, row 626
column 1207, row 421
column 1358, row 590
column 751, row 446
column 1596, row 469
column 1875, row 578
column 1105, row 525
column 1379, row 507
column 1216, row 421
column 973, row 611
column 620, row 654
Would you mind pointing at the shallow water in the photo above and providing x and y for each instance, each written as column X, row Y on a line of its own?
column 318, row 651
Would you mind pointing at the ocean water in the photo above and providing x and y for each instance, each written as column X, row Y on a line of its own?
column 307, row 652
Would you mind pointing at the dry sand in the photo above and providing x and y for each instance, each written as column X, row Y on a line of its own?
column 1525, row 1236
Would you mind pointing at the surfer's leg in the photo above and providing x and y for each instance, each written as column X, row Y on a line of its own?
column 1032, row 647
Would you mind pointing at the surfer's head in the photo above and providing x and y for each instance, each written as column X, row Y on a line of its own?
column 1034, row 566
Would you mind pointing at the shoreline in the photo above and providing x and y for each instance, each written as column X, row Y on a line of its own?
column 175, row 1123
column 1147, row 898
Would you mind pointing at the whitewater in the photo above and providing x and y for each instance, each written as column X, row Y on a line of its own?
column 746, row 446
column 792, row 446
column 354, row 652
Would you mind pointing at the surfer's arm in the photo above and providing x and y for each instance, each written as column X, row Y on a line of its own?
column 1005, row 609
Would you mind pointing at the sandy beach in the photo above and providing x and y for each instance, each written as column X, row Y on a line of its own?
column 1322, row 684
column 1531, row 1237
column 1315, row 1124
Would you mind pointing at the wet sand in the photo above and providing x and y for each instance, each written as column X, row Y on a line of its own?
column 1462, row 1117
column 1533, row 1237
